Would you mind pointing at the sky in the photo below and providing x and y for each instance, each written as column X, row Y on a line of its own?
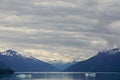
column 63, row 30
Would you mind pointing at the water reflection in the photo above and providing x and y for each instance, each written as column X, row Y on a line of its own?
column 61, row 76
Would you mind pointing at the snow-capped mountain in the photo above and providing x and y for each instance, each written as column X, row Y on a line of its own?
column 104, row 61
column 20, row 63
column 10, row 53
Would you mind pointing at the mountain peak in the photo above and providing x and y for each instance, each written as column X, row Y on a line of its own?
column 10, row 52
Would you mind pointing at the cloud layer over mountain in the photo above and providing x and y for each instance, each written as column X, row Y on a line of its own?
column 59, row 29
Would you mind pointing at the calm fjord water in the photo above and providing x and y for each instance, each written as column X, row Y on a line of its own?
column 59, row 76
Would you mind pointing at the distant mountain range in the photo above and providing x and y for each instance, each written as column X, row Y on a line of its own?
column 60, row 65
column 20, row 63
column 104, row 61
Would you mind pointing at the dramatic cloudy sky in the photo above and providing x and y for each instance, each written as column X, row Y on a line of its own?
column 59, row 29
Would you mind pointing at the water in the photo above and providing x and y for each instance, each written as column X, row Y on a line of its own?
column 60, row 76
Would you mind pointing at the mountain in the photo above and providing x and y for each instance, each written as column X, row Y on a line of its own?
column 20, row 63
column 4, row 69
column 3, row 66
column 60, row 65
column 104, row 61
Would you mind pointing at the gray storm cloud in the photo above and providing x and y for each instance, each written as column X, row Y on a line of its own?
column 66, row 29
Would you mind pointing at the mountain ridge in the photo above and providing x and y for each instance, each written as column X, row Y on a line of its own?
column 20, row 63
column 101, row 62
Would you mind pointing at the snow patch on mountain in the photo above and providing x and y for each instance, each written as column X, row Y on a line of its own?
column 10, row 53
column 110, row 51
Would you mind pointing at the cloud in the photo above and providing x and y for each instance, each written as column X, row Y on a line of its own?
column 68, row 30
